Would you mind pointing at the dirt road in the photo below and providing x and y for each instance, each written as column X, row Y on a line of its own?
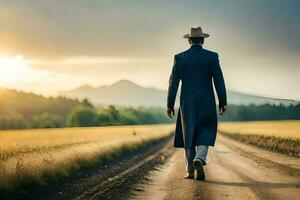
column 234, row 171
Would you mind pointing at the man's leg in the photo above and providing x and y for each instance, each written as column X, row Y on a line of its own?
column 200, row 160
column 201, row 153
column 189, row 157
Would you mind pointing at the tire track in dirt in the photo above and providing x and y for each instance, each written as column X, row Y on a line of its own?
column 234, row 171
column 111, row 179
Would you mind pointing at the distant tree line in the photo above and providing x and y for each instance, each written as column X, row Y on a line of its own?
column 19, row 110
column 261, row 112
column 112, row 115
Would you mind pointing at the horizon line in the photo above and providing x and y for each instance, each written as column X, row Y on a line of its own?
column 133, row 82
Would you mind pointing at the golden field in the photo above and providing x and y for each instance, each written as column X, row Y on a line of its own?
column 285, row 129
column 279, row 136
column 32, row 157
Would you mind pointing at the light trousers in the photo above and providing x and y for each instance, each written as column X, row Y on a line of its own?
column 199, row 152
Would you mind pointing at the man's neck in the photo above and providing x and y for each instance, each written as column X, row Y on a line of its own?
column 196, row 44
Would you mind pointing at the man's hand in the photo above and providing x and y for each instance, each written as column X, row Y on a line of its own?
column 170, row 112
column 222, row 109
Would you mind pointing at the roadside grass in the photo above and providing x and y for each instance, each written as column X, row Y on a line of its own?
column 34, row 158
column 278, row 136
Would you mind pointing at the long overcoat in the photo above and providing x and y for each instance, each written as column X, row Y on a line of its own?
column 198, row 70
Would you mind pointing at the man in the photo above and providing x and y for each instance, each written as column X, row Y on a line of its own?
column 196, row 129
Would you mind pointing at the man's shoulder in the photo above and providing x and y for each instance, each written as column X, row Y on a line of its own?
column 210, row 53
column 178, row 55
column 205, row 51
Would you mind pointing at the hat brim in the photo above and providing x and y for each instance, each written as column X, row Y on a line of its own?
column 204, row 35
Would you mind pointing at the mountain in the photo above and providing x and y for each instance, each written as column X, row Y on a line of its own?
column 127, row 93
column 238, row 98
column 121, row 93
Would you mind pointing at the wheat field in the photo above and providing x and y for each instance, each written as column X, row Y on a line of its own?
column 32, row 157
column 283, row 129
column 279, row 136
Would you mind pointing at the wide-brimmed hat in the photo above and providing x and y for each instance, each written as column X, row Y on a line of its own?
column 196, row 32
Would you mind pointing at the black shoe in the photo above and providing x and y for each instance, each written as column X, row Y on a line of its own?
column 198, row 164
column 189, row 175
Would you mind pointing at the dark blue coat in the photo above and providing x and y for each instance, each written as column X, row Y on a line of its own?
column 197, row 69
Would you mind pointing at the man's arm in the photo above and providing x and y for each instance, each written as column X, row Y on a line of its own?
column 219, row 85
column 173, row 87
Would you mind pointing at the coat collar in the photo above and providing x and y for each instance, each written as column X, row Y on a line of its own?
column 196, row 46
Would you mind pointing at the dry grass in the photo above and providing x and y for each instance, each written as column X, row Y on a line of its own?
column 30, row 158
column 280, row 136
column 284, row 129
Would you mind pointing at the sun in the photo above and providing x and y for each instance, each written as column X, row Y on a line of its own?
column 12, row 69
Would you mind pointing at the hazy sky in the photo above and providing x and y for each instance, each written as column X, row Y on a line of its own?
column 48, row 46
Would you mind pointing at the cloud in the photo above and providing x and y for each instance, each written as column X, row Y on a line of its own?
column 100, row 41
column 47, row 29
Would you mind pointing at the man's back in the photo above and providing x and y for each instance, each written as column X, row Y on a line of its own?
column 196, row 70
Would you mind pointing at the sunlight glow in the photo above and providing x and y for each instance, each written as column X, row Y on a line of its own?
column 12, row 68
